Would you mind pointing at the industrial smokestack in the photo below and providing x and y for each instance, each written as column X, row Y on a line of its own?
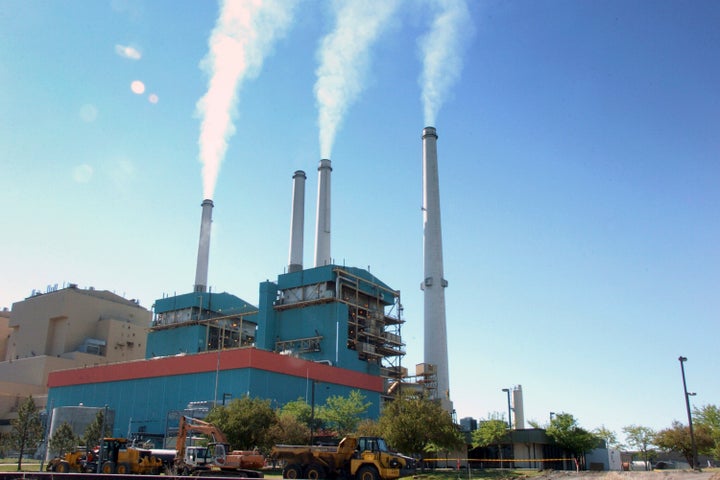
column 201, row 272
column 434, row 283
column 297, row 223
column 518, row 408
column 322, row 223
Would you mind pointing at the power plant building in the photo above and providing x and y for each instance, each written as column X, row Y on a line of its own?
column 328, row 330
column 335, row 327
column 64, row 328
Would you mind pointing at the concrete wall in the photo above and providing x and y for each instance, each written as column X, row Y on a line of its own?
column 44, row 332
column 59, row 322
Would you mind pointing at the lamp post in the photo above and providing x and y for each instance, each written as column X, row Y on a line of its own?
column 689, row 414
column 507, row 390
column 312, row 414
column 101, row 453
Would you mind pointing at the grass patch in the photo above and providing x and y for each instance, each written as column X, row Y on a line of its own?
column 11, row 464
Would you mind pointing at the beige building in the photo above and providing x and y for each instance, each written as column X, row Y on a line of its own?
column 62, row 329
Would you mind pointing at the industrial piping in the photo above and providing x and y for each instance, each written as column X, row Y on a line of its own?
column 322, row 224
column 201, row 272
column 297, row 223
column 434, row 283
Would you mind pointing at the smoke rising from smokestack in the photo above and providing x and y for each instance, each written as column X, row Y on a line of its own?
column 441, row 51
column 343, row 56
column 243, row 35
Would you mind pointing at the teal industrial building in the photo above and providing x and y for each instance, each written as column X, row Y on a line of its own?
column 315, row 333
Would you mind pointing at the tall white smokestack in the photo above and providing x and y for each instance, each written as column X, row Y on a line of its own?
column 297, row 223
column 201, row 272
column 322, row 223
column 518, row 409
column 434, row 283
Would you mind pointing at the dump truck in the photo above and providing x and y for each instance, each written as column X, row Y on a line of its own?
column 118, row 457
column 361, row 458
column 216, row 458
column 77, row 461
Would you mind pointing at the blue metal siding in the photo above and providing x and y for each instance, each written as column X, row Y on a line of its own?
column 172, row 341
column 148, row 401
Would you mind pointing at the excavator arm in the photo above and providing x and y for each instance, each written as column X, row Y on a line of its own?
column 188, row 425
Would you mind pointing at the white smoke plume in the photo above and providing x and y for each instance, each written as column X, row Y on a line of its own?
column 441, row 51
column 344, row 57
column 243, row 36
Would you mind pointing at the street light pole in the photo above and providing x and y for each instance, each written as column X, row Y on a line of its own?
column 312, row 414
column 689, row 414
column 507, row 390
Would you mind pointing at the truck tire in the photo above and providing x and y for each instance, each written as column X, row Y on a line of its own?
column 62, row 467
column 108, row 467
column 123, row 469
column 293, row 471
column 367, row 472
column 315, row 471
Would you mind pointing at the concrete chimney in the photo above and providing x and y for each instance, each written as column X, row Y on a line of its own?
column 322, row 223
column 201, row 272
column 518, row 409
column 434, row 284
column 297, row 223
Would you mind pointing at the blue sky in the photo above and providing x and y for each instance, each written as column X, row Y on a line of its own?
column 578, row 151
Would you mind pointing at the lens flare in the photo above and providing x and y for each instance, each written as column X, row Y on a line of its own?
column 137, row 87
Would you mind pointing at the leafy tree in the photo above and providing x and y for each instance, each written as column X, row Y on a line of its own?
column 491, row 432
column 564, row 429
column 94, row 433
column 246, row 422
column 608, row 436
column 709, row 417
column 677, row 438
column 299, row 409
column 289, row 429
column 641, row 439
column 343, row 414
column 368, row 428
column 63, row 440
column 412, row 424
column 26, row 430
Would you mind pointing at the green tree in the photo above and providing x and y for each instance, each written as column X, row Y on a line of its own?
column 641, row 439
column 26, row 430
column 299, row 409
column 246, row 422
column 63, row 440
column 343, row 414
column 709, row 417
column 491, row 432
column 412, row 424
column 677, row 438
column 566, row 432
column 289, row 429
column 608, row 436
column 93, row 435
column 368, row 428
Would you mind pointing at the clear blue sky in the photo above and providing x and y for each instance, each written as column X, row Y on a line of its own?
column 579, row 166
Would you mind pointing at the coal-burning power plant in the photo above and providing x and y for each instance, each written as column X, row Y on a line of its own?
column 322, row 223
column 203, row 258
column 329, row 325
column 434, row 283
column 297, row 223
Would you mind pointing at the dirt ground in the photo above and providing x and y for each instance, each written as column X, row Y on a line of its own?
column 711, row 474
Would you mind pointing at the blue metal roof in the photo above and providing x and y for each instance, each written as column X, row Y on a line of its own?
column 327, row 273
column 223, row 302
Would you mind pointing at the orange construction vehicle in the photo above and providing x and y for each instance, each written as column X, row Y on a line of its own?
column 215, row 458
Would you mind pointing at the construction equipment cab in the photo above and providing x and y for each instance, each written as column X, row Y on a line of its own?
column 361, row 458
column 122, row 459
